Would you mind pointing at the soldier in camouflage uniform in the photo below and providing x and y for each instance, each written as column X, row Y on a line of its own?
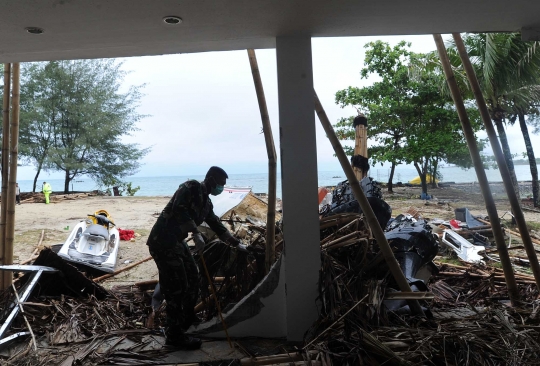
column 178, row 272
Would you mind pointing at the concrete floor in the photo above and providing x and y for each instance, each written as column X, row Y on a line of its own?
column 210, row 351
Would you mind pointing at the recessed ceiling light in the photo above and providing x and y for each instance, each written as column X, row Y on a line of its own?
column 172, row 20
column 34, row 30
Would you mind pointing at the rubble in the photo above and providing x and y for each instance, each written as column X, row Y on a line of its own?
column 29, row 197
column 355, row 326
column 364, row 319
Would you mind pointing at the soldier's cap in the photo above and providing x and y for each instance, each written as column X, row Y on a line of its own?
column 218, row 174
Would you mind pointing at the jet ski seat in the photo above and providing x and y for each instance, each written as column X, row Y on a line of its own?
column 97, row 230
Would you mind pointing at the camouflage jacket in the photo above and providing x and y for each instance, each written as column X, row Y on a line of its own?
column 187, row 209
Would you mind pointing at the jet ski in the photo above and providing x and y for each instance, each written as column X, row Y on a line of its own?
column 93, row 242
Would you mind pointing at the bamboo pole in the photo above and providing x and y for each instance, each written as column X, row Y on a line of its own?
column 146, row 283
column 480, row 172
column 359, row 160
column 285, row 358
column 12, row 180
column 535, row 241
column 334, row 323
column 38, row 246
column 211, row 284
column 101, row 278
column 28, row 260
column 272, row 162
column 5, row 166
column 387, row 252
column 505, row 174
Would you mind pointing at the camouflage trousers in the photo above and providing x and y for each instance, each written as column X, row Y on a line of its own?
column 179, row 282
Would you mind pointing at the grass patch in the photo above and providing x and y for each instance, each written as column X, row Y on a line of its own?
column 495, row 264
column 26, row 242
column 531, row 225
column 143, row 232
column 30, row 237
column 450, row 260
column 388, row 197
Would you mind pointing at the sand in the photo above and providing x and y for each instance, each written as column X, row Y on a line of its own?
column 140, row 213
column 135, row 213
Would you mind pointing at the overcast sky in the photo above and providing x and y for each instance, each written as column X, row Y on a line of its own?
column 202, row 108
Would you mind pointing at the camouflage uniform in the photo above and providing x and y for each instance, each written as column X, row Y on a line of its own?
column 178, row 272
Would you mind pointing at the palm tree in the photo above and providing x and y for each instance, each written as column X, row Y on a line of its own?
column 529, row 114
column 508, row 71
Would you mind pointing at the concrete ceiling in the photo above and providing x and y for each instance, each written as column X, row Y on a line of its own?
column 116, row 28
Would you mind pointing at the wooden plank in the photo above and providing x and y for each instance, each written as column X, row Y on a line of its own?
column 409, row 296
column 101, row 278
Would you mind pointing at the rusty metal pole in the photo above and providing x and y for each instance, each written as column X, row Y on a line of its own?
column 5, row 167
column 14, row 159
column 480, row 172
column 359, row 160
column 507, row 180
column 272, row 163
column 387, row 252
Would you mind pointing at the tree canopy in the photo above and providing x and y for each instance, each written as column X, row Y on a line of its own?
column 409, row 119
column 75, row 119
column 507, row 69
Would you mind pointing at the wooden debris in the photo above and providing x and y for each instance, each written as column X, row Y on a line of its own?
column 38, row 246
column 38, row 197
column 349, row 332
column 414, row 212
column 71, row 281
column 354, row 326
column 101, row 278
column 88, row 330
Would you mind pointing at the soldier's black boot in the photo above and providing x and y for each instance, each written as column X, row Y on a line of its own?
column 190, row 320
column 184, row 342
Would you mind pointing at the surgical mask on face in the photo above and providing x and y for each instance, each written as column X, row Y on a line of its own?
column 217, row 190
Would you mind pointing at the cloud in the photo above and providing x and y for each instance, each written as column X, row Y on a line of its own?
column 203, row 108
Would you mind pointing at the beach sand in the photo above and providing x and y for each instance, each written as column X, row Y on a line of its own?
column 140, row 213
column 134, row 213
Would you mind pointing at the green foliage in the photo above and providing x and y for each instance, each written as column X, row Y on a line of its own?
column 123, row 187
column 490, row 162
column 130, row 190
column 409, row 119
column 507, row 70
column 75, row 119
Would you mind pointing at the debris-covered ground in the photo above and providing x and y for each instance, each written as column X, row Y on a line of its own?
column 363, row 319
column 471, row 322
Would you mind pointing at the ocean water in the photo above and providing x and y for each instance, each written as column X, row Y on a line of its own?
column 165, row 186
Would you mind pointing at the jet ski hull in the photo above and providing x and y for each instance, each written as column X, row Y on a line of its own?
column 93, row 246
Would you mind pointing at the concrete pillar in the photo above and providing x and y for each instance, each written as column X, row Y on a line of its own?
column 299, row 181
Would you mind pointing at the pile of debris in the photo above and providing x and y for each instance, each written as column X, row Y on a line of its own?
column 29, row 197
column 364, row 317
column 68, row 319
column 469, row 320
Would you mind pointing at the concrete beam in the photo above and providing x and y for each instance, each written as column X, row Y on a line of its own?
column 530, row 33
column 299, row 181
